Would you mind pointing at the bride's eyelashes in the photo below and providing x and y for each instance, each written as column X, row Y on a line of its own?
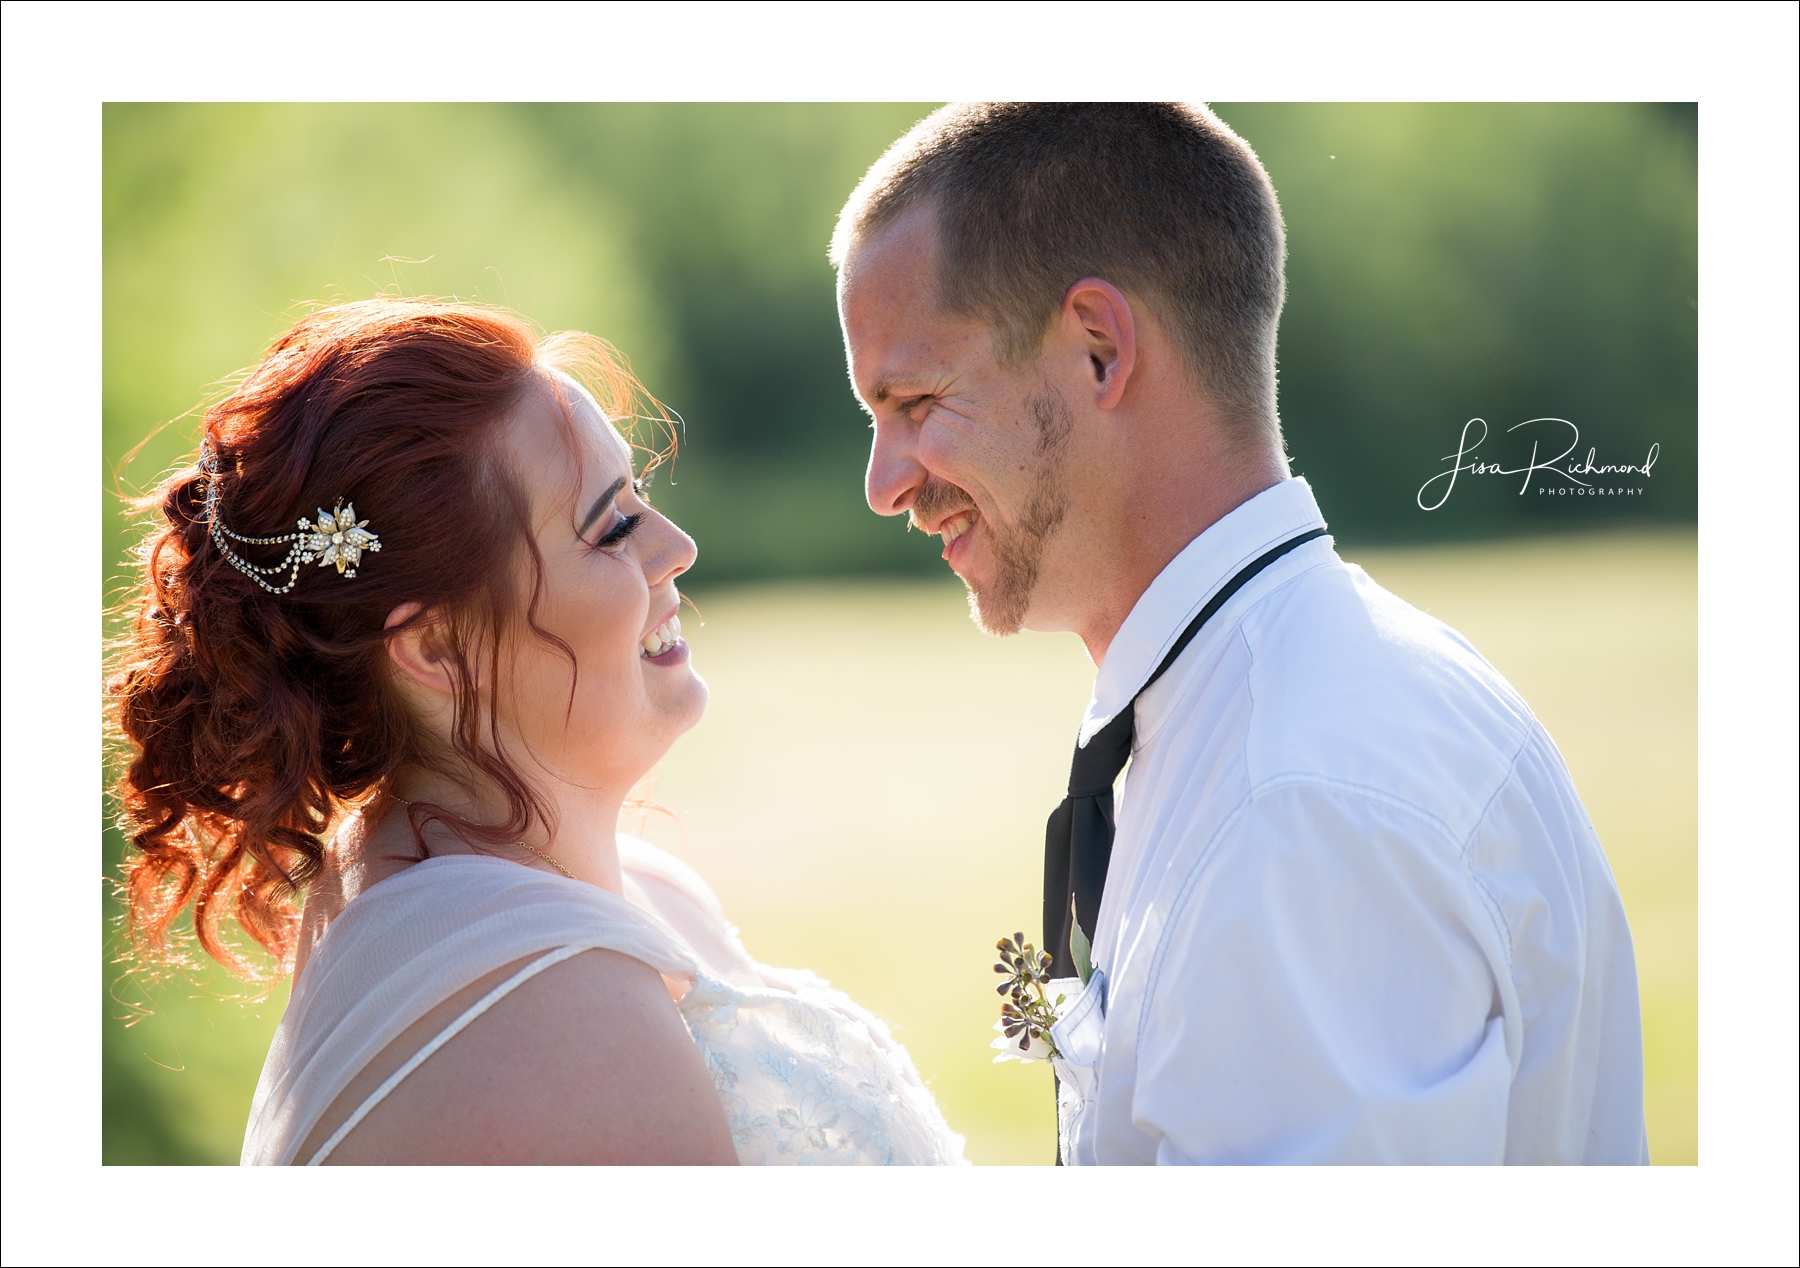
column 626, row 526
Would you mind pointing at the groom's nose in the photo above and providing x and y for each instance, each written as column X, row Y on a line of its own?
column 895, row 473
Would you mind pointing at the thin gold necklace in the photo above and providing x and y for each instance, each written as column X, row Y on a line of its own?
column 529, row 849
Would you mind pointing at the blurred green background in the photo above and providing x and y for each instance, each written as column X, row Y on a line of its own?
column 1446, row 262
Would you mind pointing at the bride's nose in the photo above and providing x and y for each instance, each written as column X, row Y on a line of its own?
column 672, row 552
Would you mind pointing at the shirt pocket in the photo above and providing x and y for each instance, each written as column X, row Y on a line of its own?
column 1078, row 1036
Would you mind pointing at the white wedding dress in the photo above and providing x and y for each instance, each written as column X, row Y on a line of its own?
column 804, row 1075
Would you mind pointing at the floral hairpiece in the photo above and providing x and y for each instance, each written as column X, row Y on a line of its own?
column 338, row 538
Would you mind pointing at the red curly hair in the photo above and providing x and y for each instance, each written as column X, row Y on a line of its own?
column 254, row 721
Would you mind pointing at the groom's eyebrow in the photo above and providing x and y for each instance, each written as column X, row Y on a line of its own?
column 896, row 385
column 600, row 504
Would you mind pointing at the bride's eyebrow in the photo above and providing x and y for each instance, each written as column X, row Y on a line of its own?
column 600, row 505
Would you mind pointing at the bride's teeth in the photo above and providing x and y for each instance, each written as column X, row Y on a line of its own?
column 662, row 638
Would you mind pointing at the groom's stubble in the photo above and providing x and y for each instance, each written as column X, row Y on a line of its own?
column 999, row 607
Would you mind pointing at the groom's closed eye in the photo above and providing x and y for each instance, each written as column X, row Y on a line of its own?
column 885, row 394
column 907, row 407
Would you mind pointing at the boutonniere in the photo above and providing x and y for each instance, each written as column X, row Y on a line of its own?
column 1033, row 1001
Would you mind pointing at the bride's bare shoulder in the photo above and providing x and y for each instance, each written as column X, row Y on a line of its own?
column 587, row 1062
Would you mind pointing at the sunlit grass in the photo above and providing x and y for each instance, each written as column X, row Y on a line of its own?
column 868, row 791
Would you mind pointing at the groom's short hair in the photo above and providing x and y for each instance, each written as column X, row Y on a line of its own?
column 1161, row 199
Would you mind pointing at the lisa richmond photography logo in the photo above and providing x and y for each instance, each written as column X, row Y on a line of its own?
column 1542, row 475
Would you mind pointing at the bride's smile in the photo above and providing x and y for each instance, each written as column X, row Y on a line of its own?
column 664, row 644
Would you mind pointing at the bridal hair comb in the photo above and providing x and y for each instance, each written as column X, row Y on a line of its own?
column 338, row 537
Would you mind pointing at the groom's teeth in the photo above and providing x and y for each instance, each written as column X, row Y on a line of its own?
column 955, row 528
column 662, row 638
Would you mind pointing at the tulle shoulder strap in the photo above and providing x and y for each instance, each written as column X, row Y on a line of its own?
column 406, row 945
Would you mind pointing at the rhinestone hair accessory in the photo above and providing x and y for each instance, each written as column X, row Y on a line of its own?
column 337, row 538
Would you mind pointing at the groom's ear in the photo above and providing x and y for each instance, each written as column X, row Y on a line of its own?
column 1099, row 315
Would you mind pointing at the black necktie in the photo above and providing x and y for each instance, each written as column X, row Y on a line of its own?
column 1078, row 839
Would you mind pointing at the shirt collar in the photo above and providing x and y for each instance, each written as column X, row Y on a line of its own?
column 1182, row 588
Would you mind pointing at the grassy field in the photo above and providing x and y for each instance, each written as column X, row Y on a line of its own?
column 867, row 794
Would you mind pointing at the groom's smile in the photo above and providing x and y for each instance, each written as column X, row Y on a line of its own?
column 954, row 527
column 946, row 512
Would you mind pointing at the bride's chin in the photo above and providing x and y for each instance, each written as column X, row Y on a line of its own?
column 688, row 701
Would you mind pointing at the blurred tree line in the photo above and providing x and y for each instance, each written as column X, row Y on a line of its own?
column 1446, row 262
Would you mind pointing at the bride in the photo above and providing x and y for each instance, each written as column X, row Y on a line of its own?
column 406, row 638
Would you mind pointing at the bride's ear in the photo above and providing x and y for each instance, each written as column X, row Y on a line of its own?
column 420, row 651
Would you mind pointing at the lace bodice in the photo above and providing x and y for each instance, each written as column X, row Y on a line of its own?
column 805, row 1076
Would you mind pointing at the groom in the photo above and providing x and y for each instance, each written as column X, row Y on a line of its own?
column 1346, row 905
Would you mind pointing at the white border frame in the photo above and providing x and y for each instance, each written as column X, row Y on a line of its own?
column 1737, row 60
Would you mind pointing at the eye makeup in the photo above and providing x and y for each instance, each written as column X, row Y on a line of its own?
column 619, row 532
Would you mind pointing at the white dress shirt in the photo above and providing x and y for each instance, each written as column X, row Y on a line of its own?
column 1355, row 912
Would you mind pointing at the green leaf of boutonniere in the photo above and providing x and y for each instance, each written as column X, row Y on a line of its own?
column 1080, row 951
